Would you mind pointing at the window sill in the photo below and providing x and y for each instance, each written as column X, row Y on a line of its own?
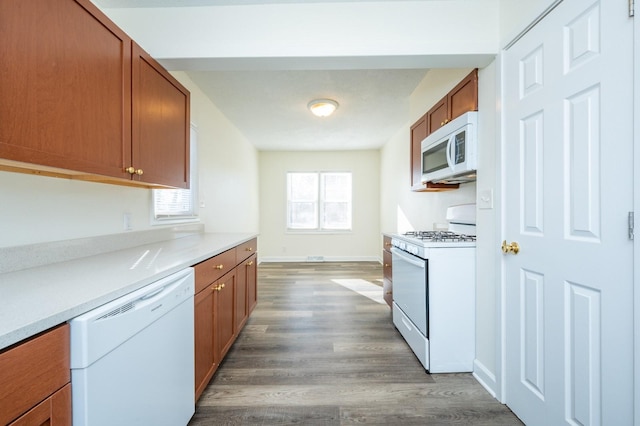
column 318, row 232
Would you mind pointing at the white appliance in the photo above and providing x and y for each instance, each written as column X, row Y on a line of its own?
column 449, row 155
column 132, row 360
column 434, row 293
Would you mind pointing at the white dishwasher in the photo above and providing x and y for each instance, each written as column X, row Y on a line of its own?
column 132, row 359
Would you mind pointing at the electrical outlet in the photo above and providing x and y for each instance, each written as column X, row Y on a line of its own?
column 126, row 221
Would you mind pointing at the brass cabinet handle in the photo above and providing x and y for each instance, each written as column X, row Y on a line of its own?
column 386, row 265
column 249, row 248
column 250, row 263
column 133, row 171
column 221, row 266
column 512, row 247
column 389, row 292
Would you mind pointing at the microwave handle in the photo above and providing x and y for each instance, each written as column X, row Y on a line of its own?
column 450, row 147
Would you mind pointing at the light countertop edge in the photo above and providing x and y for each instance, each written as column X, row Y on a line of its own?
column 36, row 299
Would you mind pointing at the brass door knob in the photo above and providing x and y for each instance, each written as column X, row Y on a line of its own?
column 512, row 247
column 218, row 266
column 131, row 170
column 139, row 172
column 250, row 263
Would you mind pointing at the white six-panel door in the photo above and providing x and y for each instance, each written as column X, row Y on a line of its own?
column 568, row 163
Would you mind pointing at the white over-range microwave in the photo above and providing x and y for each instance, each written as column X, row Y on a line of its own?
column 449, row 154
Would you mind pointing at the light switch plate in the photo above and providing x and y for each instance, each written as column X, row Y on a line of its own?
column 485, row 199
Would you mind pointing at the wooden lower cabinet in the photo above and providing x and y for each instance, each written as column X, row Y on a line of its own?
column 35, row 380
column 387, row 271
column 221, row 309
column 246, row 290
column 205, row 363
column 251, row 270
column 223, row 315
column 53, row 411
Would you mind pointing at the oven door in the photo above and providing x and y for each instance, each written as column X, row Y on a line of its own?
column 410, row 287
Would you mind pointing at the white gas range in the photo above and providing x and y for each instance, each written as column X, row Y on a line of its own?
column 434, row 292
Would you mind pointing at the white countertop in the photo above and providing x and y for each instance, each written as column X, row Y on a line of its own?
column 33, row 300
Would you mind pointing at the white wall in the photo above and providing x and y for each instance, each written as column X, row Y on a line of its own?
column 36, row 209
column 362, row 243
column 402, row 209
column 516, row 15
column 487, row 253
column 227, row 168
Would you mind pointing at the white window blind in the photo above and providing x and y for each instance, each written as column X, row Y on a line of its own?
column 172, row 203
column 319, row 201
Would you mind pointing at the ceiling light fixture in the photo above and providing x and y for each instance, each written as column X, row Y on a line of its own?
column 322, row 107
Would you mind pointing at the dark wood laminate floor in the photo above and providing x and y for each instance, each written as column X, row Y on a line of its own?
column 318, row 350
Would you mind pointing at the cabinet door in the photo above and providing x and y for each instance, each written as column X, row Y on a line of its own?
column 204, row 339
column 241, row 300
column 32, row 371
column 65, row 98
column 464, row 97
column 387, row 274
column 437, row 116
column 160, row 142
column 53, row 411
column 252, row 281
column 418, row 133
column 223, row 314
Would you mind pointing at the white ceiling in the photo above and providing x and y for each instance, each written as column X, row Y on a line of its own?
column 269, row 106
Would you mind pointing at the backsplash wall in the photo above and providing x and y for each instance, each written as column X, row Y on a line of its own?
column 37, row 209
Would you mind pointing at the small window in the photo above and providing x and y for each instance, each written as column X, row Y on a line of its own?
column 179, row 204
column 319, row 201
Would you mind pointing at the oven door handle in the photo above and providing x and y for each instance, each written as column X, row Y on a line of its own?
column 420, row 263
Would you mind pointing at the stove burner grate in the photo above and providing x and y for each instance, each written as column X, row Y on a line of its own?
column 444, row 236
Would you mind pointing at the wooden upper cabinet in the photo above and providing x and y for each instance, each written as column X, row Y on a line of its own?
column 65, row 87
column 461, row 99
column 418, row 133
column 437, row 116
column 80, row 99
column 160, row 142
column 464, row 97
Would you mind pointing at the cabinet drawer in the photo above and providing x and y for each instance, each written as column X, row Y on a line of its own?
column 387, row 268
column 386, row 243
column 245, row 250
column 212, row 269
column 30, row 372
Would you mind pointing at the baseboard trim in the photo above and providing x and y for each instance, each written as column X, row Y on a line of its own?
column 484, row 377
column 267, row 259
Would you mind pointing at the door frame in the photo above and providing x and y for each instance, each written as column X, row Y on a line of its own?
column 636, row 209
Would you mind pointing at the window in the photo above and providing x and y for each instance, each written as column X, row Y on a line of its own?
column 179, row 204
column 319, row 201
